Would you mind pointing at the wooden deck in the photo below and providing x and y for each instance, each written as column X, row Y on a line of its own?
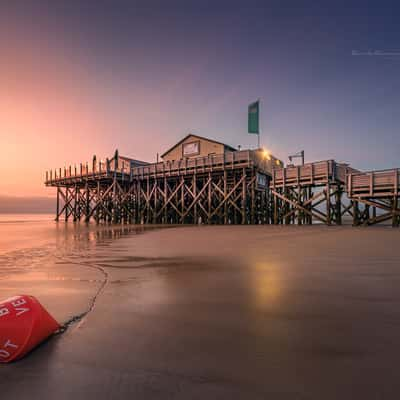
column 236, row 187
column 124, row 172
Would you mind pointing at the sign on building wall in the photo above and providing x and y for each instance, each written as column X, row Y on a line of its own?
column 262, row 181
column 191, row 149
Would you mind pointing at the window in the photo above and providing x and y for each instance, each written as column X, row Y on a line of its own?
column 191, row 148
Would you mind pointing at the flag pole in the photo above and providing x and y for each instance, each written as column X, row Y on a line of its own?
column 259, row 129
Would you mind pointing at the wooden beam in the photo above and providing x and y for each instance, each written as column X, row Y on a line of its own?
column 294, row 204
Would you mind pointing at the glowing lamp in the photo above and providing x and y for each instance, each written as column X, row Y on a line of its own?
column 266, row 154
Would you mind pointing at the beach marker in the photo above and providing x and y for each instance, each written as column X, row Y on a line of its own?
column 24, row 323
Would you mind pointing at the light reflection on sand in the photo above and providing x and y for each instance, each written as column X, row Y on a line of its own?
column 266, row 282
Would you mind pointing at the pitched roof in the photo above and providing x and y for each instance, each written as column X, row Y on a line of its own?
column 124, row 158
column 198, row 137
column 133, row 160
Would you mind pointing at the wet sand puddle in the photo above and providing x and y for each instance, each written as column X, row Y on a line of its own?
column 76, row 256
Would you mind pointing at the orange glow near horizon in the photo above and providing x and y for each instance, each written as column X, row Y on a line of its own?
column 62, row 102
column 43, row 116
column 49, row 115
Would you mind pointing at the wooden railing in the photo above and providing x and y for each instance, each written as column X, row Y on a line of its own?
column 373, row 183
column 308, row 174
column 357, row 184
column 81, row 170
column 201, row 164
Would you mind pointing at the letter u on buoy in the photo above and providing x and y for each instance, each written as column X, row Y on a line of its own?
column 24, row 324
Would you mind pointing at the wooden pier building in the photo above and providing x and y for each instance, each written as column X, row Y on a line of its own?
column 200, row 180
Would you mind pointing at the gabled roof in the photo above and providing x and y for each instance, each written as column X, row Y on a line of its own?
column 123, row 158
column 198, row 137
column 133, row 160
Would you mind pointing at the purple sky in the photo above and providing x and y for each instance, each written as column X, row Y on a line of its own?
column 87, row 77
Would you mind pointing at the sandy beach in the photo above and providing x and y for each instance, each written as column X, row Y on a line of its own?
column 218, row 312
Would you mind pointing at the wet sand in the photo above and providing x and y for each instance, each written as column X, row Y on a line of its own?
column 250, row 312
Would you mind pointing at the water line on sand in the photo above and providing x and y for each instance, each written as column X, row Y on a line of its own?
column 80, row 317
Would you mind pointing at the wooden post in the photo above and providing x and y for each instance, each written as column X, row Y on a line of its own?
column 244, row 196
column 165, row 199
column 350, row 185
column 66, row 214
column 87, row 203
column 147, row 217
column 286, row 206
column 195, row 217
column 235, row 212
column 75, row 202
column 114, row 201
column 97, row 217
column 366, row 214
column 155, row 200
column 183, row 198
column 299, row 200
column 225, row 194
column 397, row 209
column 310, row 195
column 58, row 204
column 209, row 199
column 395, row 216
column 355, row 213
column 139, row 203
column 338, row 206
column 328, row 204
column 275, row 209
column 253, row 193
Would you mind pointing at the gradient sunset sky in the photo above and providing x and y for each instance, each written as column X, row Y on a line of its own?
column 85, row 77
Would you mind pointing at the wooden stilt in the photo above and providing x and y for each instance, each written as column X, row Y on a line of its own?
column 356, row 220
column 338, row 206
column 328, row 204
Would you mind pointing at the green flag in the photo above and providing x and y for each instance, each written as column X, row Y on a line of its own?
column 254, row 118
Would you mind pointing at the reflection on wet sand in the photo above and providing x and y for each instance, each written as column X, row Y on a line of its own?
column 58, row 263
column 63, row 241
column 266, row 283
column 231, row 312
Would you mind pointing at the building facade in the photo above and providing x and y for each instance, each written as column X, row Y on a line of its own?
column 192, row 146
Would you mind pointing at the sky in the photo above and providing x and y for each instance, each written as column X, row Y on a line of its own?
column 79, row 78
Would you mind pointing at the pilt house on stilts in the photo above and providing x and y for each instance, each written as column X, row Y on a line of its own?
column 201, row 180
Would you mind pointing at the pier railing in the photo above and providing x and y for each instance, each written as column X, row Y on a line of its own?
column 308, row 174
column 237, row 159
column 315, row 173
column 212, row 162
column 75, row 171
column 374, row 183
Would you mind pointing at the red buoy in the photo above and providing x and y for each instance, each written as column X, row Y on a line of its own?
column 24, row 324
